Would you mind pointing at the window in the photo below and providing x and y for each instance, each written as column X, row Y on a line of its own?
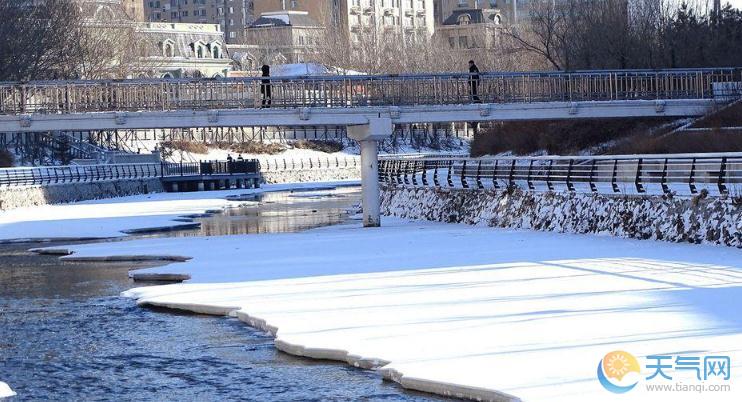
column 294, row 4
column 233, row 35
column 452, row 42
column 216, row 51
column 464, row 19
column 184, row 13
column 463, row 42
column 168, row 48
column 199, row 49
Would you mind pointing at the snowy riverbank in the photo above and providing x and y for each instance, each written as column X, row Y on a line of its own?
column 114, row 216
column 459, row 310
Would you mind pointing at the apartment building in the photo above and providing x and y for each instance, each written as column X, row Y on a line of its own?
column 231, row 15
column 354, row 17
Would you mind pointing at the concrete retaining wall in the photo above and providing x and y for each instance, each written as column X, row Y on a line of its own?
column 11, row 198
column 699, row 219
column 312, row 175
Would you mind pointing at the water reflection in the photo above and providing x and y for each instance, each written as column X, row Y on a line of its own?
column 279, row 212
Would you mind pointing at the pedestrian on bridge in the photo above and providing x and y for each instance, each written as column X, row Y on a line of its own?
column 265, row 86
column 474, row 82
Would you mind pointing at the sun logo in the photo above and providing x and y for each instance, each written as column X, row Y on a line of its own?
column 614, row 367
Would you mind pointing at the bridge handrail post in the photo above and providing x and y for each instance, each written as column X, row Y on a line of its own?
column 663, row 178
column 638, row 178
column 449, row 176
column 591, row 182
column 494, row 175
column 570, row 186
column 414, row 173
column 424, row 172
column 614, row 185
column 548, row 175
column 528, row 177
column 464, row 183
column 692, row 178
column 479, row 175
column 511, row 175
column 722, row 174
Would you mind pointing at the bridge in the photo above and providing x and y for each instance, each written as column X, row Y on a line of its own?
column 368, row 105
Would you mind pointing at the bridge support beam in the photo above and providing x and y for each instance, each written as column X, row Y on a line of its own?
column 368, row 136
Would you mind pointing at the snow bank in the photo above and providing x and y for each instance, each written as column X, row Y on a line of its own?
column 5, row 390
column 462, row 310
column 110, row 217
column 712, row 220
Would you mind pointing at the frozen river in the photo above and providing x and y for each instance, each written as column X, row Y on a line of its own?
column 66, row 334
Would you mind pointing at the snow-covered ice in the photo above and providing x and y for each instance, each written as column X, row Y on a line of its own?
column 465, row 310
column 5, row 390
column 110, row 217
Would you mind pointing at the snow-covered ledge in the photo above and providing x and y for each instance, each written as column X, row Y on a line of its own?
column 710, row 220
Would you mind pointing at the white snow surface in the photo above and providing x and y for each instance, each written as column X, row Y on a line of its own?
column 478, row 311
column 110, row 217
column 5, row 390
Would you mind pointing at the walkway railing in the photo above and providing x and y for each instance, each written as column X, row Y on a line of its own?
column 39, row 176
column 629, row 174
column 328, row 162
column 355, row 91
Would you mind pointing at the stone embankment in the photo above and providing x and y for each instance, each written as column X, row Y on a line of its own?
column 699, row 219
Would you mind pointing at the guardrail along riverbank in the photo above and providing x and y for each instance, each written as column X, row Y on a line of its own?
column 693, row 198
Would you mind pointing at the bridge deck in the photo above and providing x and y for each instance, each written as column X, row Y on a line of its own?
column 349, row 100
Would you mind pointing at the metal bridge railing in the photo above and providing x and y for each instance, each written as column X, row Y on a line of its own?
column 371, row 90
column 631, row 174
column 40, row 176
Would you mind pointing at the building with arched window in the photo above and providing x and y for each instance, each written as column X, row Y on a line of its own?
column 510, row 11
column 184, row 50
column 470, row 29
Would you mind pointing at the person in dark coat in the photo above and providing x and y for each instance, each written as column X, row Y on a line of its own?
column 473, row 81
column 265, row 86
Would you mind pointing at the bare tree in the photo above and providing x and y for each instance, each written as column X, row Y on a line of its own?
column 38, row 40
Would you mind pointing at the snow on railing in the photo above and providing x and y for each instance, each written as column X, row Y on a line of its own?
column 717, row 173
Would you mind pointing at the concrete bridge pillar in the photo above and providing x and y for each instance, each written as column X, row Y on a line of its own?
column 368, row 136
